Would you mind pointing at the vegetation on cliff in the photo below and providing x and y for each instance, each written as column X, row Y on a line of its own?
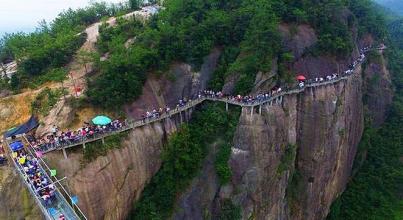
column 182, row 159
column 46, row 100
column 246, row 30
column 100, row 148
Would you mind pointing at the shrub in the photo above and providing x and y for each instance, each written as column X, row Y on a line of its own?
column 229, row 211
column 95, row 149
column 221, row 164
column 287, row 159
column 45, row 101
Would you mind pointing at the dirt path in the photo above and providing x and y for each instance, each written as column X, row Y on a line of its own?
column 76, row 78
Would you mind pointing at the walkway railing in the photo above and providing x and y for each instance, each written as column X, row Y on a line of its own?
column 37, row 199
column 61, row 189
column 59, row 204
column 131, row 124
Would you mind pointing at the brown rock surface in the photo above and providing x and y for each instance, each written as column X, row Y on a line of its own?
column 297, row 38
column 108, row 186
column 180, row 82
column 378, row 90
column 61, row 115
column 325, row 124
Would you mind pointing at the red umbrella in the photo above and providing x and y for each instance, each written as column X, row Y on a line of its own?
column 301, row 77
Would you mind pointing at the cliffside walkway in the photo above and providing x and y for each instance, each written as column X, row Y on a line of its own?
column 59, row 205
column 271, row 100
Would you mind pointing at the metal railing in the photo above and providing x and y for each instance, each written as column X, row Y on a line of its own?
column 37, row 199
column 59, row 203
column 63, row 193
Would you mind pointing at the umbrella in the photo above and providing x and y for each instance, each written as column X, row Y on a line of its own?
column 301, row 77
column 16, row 146
column 21, row 160
column 101, row 120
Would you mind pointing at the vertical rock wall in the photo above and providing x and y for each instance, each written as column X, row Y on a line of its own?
column 378, row 89
column 108, row 186
column 325, row 124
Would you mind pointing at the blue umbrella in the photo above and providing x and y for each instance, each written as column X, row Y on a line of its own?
column 16, row 146
column 101, row 120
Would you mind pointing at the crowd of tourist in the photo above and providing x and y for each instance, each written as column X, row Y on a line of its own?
column 57, row 138
column 63, row 138
column 249, row 99
column 35, row 176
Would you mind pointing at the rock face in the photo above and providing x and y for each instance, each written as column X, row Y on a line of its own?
column 378, row 90
column 297, row 38
column 180, row 82
column 198, row 201
column 325, row 125
column 16, row 202
column 64, row 114
column 108, row 186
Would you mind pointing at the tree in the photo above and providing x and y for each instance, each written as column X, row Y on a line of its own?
column 135, row 4
column 15, row 82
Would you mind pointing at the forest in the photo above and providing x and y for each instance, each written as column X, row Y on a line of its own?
column 246, row 30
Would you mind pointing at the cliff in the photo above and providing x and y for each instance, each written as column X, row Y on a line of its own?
column 378, row 89
column 323, row 125
column 291, row 162
column 107, row 186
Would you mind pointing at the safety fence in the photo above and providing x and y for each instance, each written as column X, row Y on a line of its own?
column 58, row 205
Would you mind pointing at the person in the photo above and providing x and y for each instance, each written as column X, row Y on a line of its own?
column 54, row 130
column 3, row 159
